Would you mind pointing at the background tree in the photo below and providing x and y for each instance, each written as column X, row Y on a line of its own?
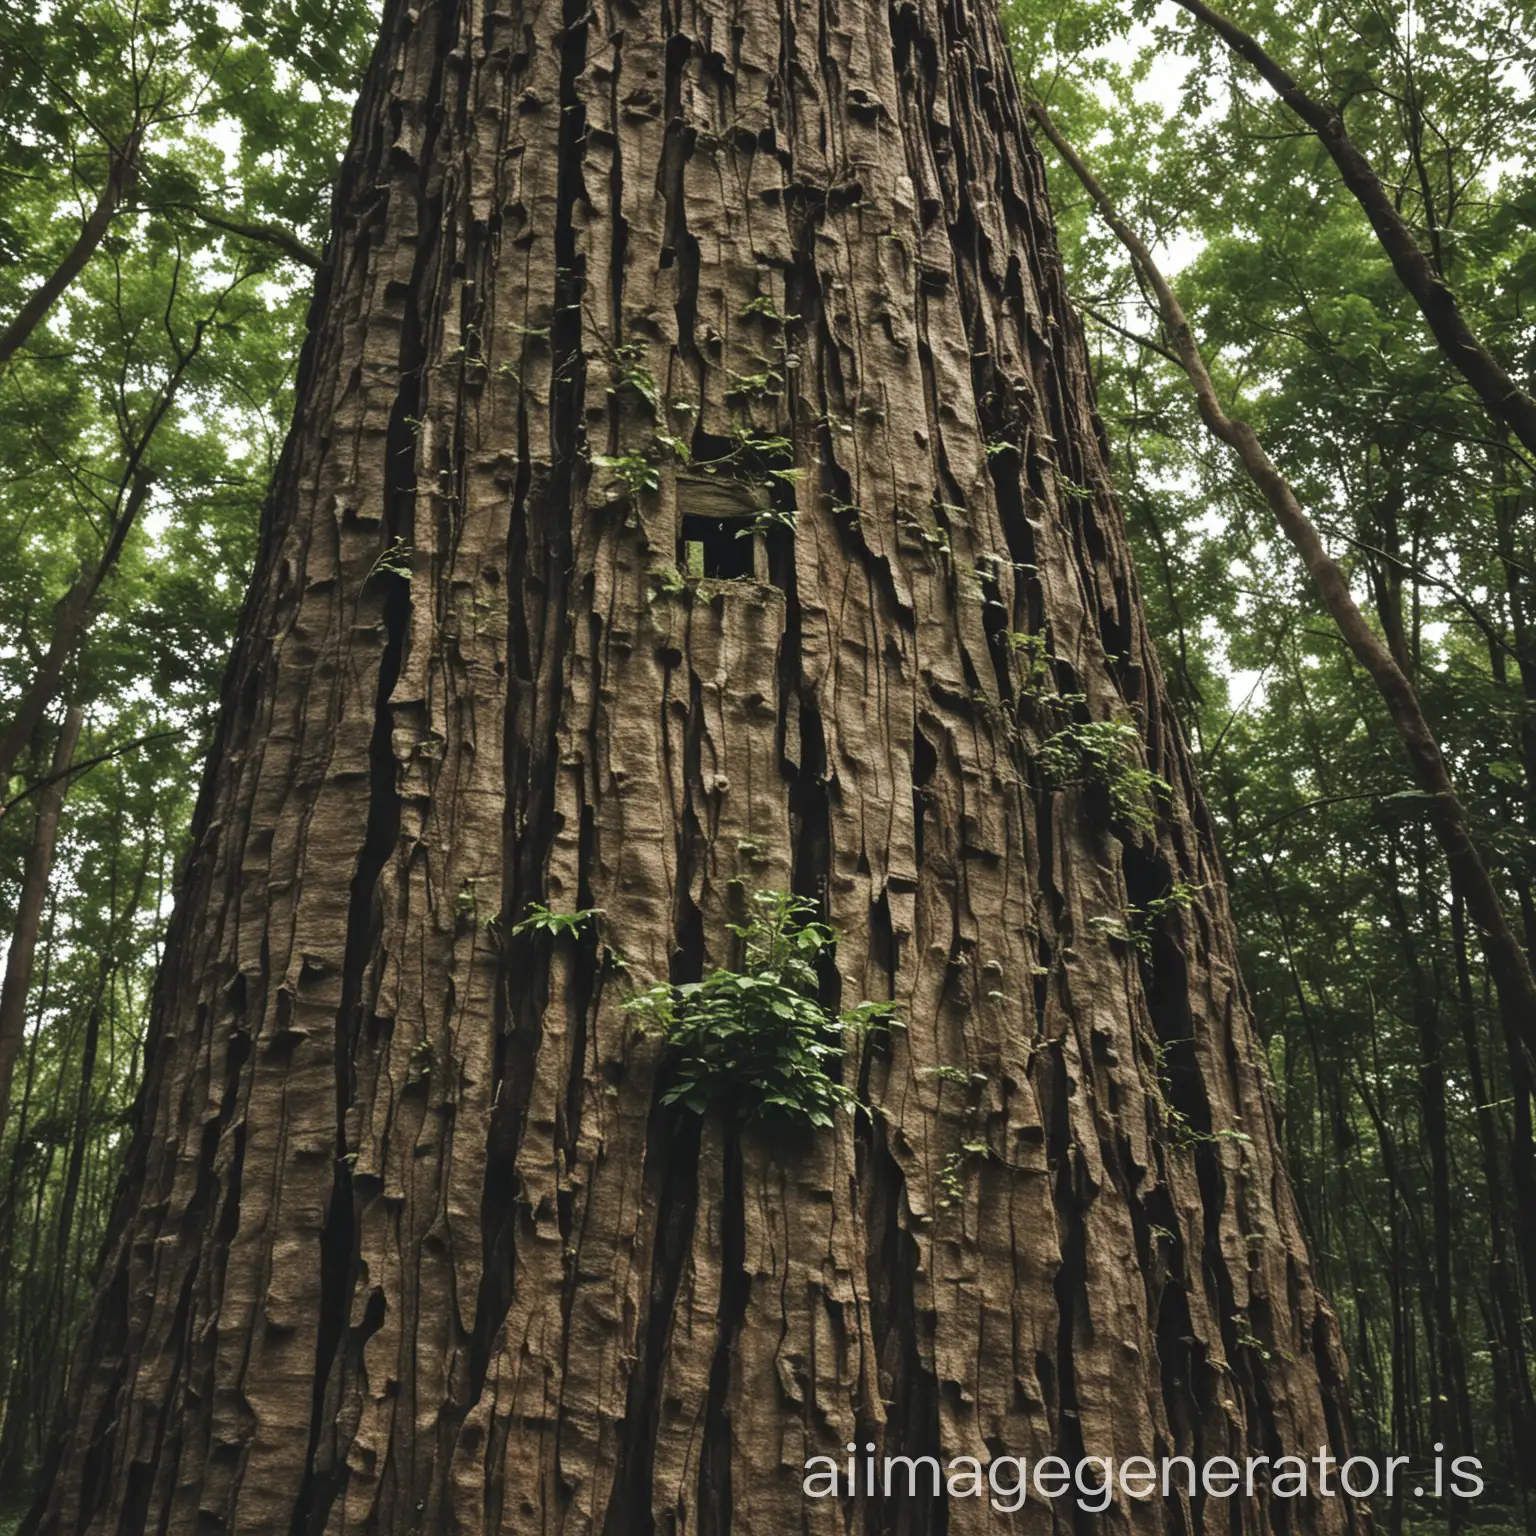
column 140, row 415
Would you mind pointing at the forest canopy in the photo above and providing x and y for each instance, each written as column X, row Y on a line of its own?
column 165, row 200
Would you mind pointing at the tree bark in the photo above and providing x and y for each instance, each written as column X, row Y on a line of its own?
column 406, row 1240
column 29, row 906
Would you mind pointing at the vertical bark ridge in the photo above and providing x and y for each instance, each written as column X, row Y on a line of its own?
column 403, row 1207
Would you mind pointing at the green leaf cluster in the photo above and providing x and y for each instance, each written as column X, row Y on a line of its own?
column 1107, row 754
column 757, row 1042
column 539, row 919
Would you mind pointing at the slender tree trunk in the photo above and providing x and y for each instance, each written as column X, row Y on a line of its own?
column 122, row 173
column 407, row 1240
column 69, row 625
column 1503, row 1279
column 26, row 1408
column 30, row 904
column 1516, row 562
column 64, row 1281
column 10, row 1307
column 1403, row 1437
column 1455, row 1412
column 1504, row 400
column 57, row 1310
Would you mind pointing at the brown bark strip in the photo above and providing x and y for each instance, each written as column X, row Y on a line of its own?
column 1504, row 400
column 29, row 906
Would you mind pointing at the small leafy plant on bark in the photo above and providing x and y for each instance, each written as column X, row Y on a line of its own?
column 952, row 1173
column 539, row 919
column 395, row 561
column 1104, row 753
column 630, row 372
column 634, row 472
column 766, row 309
column 757, row 1041
column 1036, row 658
column 1138, row 926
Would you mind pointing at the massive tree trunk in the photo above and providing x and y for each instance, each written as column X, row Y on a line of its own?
column 407, row 1241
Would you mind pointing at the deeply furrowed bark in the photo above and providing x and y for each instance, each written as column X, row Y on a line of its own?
column 406, row 1241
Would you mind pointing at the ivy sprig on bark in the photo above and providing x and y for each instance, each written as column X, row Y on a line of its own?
column 757, row 1042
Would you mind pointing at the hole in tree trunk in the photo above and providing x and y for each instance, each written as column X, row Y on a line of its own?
column 723, row 547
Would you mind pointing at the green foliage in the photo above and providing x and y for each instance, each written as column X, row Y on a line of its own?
column 540, row 920
column 952, row 1188
column 770, row 518
column 1139, row 925
column 1106, row 754
column 1183, row 1135
column 1035, row 654
column 951, row 1172
column 1349, row 931
column 170, row 356
column 756, row 1041
column 755, row 386
column 395, row 560
column 764, row 307
column 675, row 446
column 633, row 471
column 667, row 581
column 754, row 456
column 631, row 373
column 422, row 1061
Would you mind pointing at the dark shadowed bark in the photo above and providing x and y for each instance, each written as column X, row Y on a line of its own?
column 406, row 1240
